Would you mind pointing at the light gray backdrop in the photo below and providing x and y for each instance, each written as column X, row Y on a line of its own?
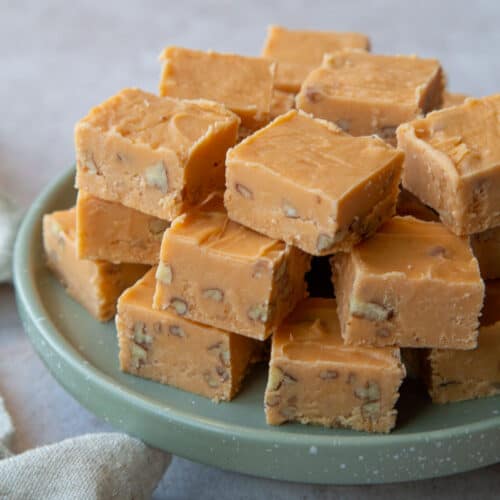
column 59, row 58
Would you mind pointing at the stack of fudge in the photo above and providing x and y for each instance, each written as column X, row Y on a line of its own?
column 199, row 212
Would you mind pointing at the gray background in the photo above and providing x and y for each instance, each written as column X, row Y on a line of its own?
column 57, row 59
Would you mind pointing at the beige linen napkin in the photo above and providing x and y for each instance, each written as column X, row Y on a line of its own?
column 94, row 466
column 90, row 467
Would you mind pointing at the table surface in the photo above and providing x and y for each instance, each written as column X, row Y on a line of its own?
column 60, row 58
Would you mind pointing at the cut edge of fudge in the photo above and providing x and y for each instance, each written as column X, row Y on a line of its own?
column 376, row 316
column 160, row 169
column 105, row 281
column 326, row 243
column 286, row 371
column 140, row 328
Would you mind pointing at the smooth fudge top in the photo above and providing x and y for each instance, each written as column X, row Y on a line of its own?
column 312, row 333
column 243, row 84
column 468, row 134
column 361, row 76
column 308, row 47
column 159, row 122
column 209, row 227
column 314, row 153
column 419, row 250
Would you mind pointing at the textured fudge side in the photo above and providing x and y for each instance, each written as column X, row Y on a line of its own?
column 452, row 163
column 106, row 230
column 368, row 94
column 153, row 154
column 306, row 182
column 243, row 84
column 96, row 285
column 413, row 284
column 220, row 273
column 299, row 51
column 460, row 375
column 315, row 378
column 172, row 350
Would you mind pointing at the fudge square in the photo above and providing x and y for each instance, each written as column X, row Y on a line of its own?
column 459, row 375
column 172, row 350
column 306, row 182
column 298, row 52
column 413, row 284
column 96, row 285
column 315, row 378
column 485, row 245
column 368, row 94
column 243, row 84
column 107, row 230
column 220, row 273
column 452, row 163
column 154, row 154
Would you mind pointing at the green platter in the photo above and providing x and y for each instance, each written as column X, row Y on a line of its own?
column 82, row 355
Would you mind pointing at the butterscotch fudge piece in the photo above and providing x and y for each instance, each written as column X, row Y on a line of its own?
column 281, row 103
column 299, row 51
column 368, row 94
column 308, row 183
column 486, row 248
column 459, row 375
column 220, row 273
column 172, row 350
column 409, row 204
column 153, row 154
column 243, row 84
column 106, row 230
column 452, row 99
column 96, row 285
column 315, row 378
column 413, row 284
column 452, row 163
column 485, row 245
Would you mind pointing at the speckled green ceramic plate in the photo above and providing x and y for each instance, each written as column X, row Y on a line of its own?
column 82, row 354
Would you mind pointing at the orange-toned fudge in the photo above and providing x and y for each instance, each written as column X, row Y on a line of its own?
column 299, row 51
column 154, row 154
column 485, row 245
column 306, row 182
column 95, row 285
column 459, row 375
column 368, row 94
column 315, row 378
column 220, row 273
column 243, row 84
column 172, row 350
column 409, row 204
column 486, row 248
column 452, row 163
column 281, row 103
column 452, row 99
column 413, row 284
column 106, row 230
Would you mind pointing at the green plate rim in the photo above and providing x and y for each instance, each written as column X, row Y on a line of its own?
column 48, row 341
